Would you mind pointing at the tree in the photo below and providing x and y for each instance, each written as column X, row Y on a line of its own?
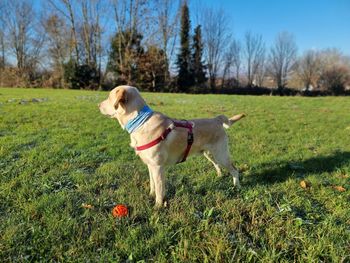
column 83, row 19
column 91, row 32
column 335, row 78
column 232, row 59
column 236, row 49
column 254, row 50
column 282, row 59
column 184, row 77
column 197, row 66
column 130, row 17
column 133, row 58
column 166, row 30
column 125, row 47
column 20, row 24
column 58, row 42
column 308, row 68
column 80, row 76
column 2, row 45
column 334, row 71
column 228, row 62
column 215, row 39
column 152, row 70
column 91, row 35
column 66, row 9
column 2, row 38
column 24, row 41
column 2, row 49
column 260, row 73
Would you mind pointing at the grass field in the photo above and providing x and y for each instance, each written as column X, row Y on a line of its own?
column 59, row 153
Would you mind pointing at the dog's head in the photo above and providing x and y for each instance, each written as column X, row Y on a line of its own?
column 123, row 104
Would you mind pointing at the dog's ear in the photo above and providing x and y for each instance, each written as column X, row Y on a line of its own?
column 121, row 98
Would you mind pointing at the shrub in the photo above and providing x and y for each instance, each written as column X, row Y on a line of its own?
column 81, row 76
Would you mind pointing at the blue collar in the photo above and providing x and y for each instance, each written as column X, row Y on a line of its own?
column 143, row 115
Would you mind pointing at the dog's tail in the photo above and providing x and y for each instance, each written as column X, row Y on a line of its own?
column 227, row 122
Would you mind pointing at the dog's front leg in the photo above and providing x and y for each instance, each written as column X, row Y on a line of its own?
column 151, row 182
column 157, row 173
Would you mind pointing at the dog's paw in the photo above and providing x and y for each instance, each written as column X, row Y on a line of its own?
column 159, row 206
column 236, row 183
column 219, row 174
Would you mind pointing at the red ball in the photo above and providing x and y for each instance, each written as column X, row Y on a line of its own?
column 120, row 211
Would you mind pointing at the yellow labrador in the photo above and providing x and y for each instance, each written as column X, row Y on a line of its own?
column 161, row 141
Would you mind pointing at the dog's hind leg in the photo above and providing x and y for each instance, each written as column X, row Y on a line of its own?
column 233, row 171
column 217, row 167
column 226, row 162
column 222, row 157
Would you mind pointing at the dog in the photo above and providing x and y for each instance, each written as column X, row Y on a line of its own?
column 161, row 141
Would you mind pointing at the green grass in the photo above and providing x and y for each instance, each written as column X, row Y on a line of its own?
column 57, row 154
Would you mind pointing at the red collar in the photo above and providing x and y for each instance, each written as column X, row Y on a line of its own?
column 181, row 124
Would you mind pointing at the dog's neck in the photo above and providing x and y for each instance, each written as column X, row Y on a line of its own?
column 142, row 116
column 150, row 130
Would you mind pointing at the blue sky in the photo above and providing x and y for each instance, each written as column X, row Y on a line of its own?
column 316, row 24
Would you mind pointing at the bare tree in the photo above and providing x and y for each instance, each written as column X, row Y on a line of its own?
column 282, row 58
column 254, row 49
column 128, row 14
column 333, row 56
column 2, row 46
column 228, row 61
column 335, row 78
column 58, row 42
column 236, row 49
column 66, row 9
column 84, row 19
column 334, row 70
column 2, row 49
column 91, row 33
column 2, row 35
column 215, row 38
column 91, row 30
column 19, row 22
column 309, row 67
column 167, row 18
column 24, row 41
column 260, row 73
column 232, row 60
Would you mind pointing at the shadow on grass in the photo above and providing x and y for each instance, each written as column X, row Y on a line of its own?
column 271, row 173
column 184, row 184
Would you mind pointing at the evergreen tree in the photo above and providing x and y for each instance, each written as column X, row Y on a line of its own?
column 197, row 66
column 184, row 78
